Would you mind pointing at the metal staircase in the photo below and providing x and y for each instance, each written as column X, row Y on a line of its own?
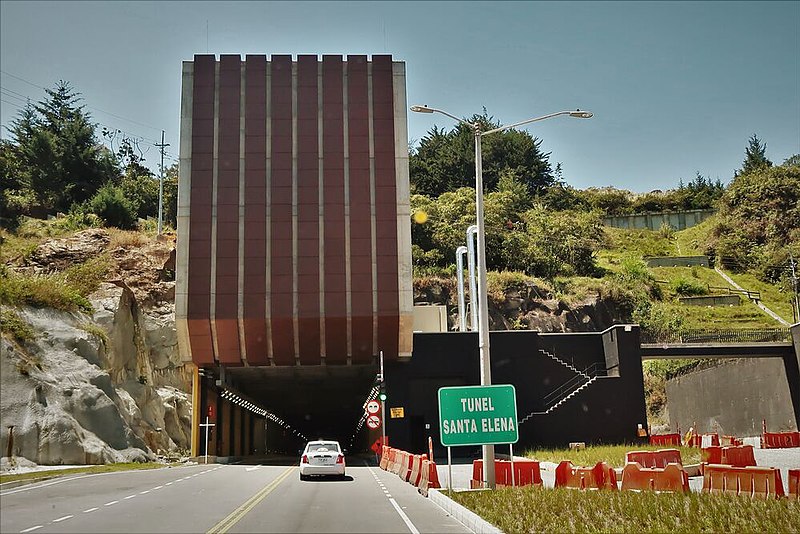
column 582, row 380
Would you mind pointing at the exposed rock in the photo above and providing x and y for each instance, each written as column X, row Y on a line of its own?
column 106, row 387
column 58, row 254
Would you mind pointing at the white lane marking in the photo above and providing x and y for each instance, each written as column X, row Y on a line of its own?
column 32, row 528
column 157, row 488
column 90, row 510
column 168, row 484
column 60, row 519
column 144, row 492
column 129, row 497
column 110, row 503
column 251, row 468
column 404, row 517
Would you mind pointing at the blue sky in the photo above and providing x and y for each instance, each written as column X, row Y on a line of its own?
column 676, row 87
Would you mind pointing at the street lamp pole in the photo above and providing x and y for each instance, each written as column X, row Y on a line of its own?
column 483, row 303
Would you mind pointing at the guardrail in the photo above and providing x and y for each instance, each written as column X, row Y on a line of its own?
column 552, row 398
column 754, row 335
column 752, row 295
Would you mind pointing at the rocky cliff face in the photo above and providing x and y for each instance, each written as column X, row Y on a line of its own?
column 526, row 307
column 102, row 387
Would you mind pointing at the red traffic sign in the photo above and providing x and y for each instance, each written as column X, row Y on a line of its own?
column 212, row 413
column 373, row 421
column 373, row 407
column 376, row 447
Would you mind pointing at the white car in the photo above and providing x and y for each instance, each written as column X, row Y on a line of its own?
column 322, row 458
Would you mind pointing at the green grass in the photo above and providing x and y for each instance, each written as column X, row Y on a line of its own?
column 41, row 291
column 622, row 243
column 770, row 295
column 108, row 468
column 613, row 455
column 533, row 509
column 12, row 324
column 691, row 242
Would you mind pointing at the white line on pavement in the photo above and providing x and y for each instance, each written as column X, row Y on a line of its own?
column 168, row 484
column 144, row 492
column 157, row 488
column 31, row 529
column 110, row 503
column 60, row 519
column 129, row 497
column 90, row 510
column 404, row 517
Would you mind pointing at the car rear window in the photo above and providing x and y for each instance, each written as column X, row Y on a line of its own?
column 314, row 447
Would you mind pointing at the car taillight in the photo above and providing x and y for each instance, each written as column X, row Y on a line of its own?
column 340, row 459
column 305, row 459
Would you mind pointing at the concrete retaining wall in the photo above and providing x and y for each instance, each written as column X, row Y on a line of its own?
column 711, row 300
column 679, row 220
column 733, row 398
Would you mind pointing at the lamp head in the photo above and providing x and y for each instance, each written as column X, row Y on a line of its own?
column 421, row 109
column 581, row 114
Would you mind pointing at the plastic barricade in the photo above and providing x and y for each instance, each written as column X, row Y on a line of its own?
column 697, row 440
column 741, row 456
column 659, row 458
column 780, row 440
column 665, row 439
column 384, row 457
column 400, row 463
column 429, row 478
column 416, row 468
column 758, row 482
column 601, row 476
column 526, row 473
column 405, row 473
column 711, row 455
column 794, row 484
column 672, row 478
column 731, row 441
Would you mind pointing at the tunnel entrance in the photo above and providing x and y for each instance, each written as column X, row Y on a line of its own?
column 283, row 407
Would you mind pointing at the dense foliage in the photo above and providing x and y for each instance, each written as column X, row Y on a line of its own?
column 54, row 162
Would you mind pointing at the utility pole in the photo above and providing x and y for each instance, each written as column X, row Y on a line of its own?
column 161, row 147
column 795, row 302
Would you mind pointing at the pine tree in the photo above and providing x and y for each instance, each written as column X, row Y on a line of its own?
column 755, row 156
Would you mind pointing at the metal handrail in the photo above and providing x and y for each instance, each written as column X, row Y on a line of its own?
column 561, row 391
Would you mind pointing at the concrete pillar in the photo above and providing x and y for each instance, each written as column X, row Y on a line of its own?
column 197, row 404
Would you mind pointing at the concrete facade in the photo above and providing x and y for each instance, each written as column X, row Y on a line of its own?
column 294, row 243
column 734, row 397
column 678, row 220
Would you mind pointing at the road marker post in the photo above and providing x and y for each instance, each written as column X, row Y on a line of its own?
column 207, row 425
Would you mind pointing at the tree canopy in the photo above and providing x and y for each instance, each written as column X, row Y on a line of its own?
column 445, row 159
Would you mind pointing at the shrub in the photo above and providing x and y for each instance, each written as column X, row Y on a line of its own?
column 687, row 287
column 11, row 323
column 110, row 204
column 41, row 291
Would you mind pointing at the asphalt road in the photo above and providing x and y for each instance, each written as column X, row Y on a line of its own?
column 223, row 498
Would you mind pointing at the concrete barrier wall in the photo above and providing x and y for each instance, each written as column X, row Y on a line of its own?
column 679, row 220
column 736, row 396
column 711, row 300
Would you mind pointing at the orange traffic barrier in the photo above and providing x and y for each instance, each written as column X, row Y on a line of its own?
column 429, row 478
column 760, row 482
column 794, row 484
column 416, row 468
column 741, row 456
column 780, row 440
column 384, row 457
column 670, row 478
column 601, row 476
column 526, row 473
column 665, row 439
column 731, row 441
column 659, row 458
column 405, row 473
column 711, row 455
column 697, row 440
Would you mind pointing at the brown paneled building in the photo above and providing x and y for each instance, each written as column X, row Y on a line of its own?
column 294, row 243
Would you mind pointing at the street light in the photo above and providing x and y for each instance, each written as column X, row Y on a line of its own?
column 482, row 302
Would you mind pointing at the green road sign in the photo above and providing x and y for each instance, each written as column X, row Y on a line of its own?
column 478, row 415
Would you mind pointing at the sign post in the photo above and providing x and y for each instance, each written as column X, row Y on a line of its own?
column 207, row 425
column 478, row 415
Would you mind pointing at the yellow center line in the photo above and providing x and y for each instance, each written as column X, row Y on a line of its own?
column 234, row 517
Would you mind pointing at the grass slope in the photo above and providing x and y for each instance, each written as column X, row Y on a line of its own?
column 533, row 509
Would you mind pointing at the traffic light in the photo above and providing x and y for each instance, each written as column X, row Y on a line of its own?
column 382, row 393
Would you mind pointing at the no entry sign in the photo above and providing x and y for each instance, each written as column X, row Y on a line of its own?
column 373, row 407
column 373, row 421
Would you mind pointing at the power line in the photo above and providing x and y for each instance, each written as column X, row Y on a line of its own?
column 90, row 107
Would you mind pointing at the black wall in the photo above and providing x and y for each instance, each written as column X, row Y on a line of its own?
column 607, row 411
